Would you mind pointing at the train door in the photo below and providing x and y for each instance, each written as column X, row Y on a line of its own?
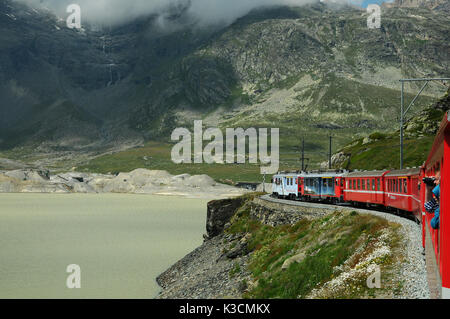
column 301, row 186
column 318, row 186
column 338, row 187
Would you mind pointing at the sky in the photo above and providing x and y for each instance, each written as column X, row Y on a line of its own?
column 204, row 11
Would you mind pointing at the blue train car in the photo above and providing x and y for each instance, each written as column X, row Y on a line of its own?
column 321, row 186
column 286, row 185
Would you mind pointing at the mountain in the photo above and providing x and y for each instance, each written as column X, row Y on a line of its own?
column 308, row 70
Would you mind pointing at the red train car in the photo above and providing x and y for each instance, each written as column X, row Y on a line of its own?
column 365, row 187
column 436, row 241
column 402, row 191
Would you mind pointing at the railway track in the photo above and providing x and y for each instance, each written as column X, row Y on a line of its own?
column 336, row 207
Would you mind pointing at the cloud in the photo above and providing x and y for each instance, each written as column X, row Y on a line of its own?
column 206, row 12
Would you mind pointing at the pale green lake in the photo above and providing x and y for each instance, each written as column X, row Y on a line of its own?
column 121, row 242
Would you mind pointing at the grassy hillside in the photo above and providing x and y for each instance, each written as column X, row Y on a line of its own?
column 382, row 151
column 332, row 256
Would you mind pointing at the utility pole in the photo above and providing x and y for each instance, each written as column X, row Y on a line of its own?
column 401, row 125
column 329, row 154
column 303, row 158
column 303, row 155
column 404, row 112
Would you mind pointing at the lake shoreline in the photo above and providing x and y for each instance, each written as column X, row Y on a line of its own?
column 139, row 181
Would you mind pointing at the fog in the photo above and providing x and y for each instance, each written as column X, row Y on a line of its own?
column 205, row 12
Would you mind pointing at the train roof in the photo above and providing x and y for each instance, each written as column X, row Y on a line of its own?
column 314, row 174
column 404, row 172
column 366, row 174
column 324, row 174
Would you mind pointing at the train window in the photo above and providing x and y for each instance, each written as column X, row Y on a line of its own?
column 359, row 184
column 405, row 186
column 373, row 184
column 395, row 186
column 378, row 184
column 354, row 184
column 330, row 182
column 368, row 184
column 363, row 184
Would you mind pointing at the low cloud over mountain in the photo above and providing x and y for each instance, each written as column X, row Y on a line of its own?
column 206, row 12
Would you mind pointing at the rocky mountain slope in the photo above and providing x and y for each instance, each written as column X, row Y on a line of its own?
column 308, row 70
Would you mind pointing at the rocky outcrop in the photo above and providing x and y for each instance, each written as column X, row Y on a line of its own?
column 219, row 214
